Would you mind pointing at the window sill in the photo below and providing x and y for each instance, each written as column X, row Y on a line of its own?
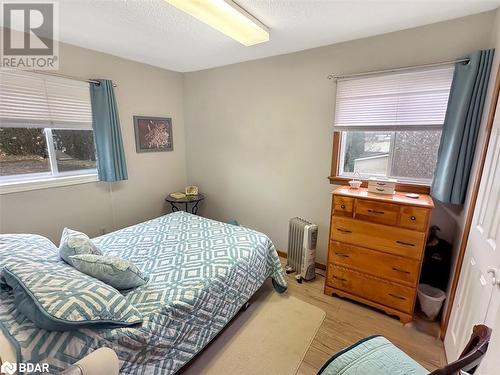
column 401, row 186
column 46, row 183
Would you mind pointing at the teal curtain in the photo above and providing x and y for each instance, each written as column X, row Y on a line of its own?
column 111, row 165
column 461, row 128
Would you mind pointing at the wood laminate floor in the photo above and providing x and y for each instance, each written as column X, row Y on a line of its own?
column 347, row 322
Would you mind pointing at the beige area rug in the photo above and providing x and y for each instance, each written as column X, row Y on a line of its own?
column 271, row 337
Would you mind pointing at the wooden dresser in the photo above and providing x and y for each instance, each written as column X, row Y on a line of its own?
column 376, row 248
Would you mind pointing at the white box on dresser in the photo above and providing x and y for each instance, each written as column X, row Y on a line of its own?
column 381, row 185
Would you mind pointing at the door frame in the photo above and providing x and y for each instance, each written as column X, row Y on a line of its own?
column 470, row 212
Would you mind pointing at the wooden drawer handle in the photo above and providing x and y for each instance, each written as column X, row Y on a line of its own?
column 343, row 230
column 375, row 212
column 413, row 218
column 398, row 270
column 405, row 243
column 342, row 255
column 396, row 296
column 339, row 278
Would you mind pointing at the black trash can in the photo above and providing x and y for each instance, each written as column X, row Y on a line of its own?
column 437, row 261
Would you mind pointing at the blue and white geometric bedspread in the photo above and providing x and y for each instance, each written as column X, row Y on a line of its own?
column 201, row 273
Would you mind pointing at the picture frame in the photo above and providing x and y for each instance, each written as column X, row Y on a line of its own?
column 153, row 134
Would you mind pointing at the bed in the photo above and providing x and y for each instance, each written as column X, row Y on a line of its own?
column 201, row 274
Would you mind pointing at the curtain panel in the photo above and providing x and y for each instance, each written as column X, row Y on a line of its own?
column 461, row 128
column 111, row 165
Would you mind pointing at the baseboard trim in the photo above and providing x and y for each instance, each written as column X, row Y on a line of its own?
column 285, row 255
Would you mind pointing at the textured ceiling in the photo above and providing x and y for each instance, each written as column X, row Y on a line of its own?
column 154, row 32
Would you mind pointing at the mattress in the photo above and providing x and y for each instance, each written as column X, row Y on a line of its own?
column 201, row 273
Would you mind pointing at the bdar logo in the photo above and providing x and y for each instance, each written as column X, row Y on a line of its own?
column 8, row 368
column 23, row 367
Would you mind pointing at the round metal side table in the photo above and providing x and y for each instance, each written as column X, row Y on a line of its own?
column 194, row 199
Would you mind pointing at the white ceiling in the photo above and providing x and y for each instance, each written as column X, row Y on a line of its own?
column 154, row 32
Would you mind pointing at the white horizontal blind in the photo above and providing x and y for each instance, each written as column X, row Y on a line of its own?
column 41, row 101
column 406, row 100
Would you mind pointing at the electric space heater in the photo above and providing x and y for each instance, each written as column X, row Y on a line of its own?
column 302, row 238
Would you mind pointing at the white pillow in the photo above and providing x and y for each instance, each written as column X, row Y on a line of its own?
column 76, row 243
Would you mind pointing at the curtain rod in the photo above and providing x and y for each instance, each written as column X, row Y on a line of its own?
column 339, row 76
column 69, row 77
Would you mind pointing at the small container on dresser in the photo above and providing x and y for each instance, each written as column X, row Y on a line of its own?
column 381, row 185
column 376, row 248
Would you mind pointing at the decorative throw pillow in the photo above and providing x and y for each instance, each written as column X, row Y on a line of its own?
column 76, row 243
column 16, row 248
column 57, row 297
column 114, row 271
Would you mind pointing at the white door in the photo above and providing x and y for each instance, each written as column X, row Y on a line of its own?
column 491, row 362
column 478, row 295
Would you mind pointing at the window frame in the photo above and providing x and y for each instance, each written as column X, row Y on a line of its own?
column 52, row 178
column 28, row 185
column 393, row 115
column 50, row 112
column 337, row 179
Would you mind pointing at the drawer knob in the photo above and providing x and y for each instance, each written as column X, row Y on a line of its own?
column 413, row 218
column 343, row 230
column 399, row 270
column 396, row 296
column 342, row 206
column 405, row 243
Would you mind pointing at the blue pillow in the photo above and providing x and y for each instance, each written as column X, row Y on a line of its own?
column 75, row 243
column 57, row 297
column 16, row 248
column 114, row 271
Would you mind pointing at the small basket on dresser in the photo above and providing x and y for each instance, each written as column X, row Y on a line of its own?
column 376, row 248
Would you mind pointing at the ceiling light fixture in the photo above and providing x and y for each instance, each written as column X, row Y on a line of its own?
column 227, row 17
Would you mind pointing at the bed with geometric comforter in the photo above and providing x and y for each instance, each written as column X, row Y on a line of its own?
column 201, row 273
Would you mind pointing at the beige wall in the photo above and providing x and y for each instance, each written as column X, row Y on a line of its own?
column 259, row 133
column 142, row 90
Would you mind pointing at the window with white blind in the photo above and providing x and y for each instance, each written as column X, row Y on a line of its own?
column 45, row 127
column 389, row 125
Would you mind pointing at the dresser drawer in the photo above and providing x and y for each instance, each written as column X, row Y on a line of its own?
column 393, row 240
column 387, row 266
column 383, row 213
column 414, row 218
column 371, row 288
column 342, row 206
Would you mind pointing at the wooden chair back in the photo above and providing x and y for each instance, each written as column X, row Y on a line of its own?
column 471, row 355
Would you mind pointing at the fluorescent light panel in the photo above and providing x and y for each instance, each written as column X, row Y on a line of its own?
column 227, row 17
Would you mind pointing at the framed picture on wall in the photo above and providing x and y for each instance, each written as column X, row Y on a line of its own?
column 153, row 134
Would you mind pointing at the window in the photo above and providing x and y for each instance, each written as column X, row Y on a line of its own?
column 45, row 127
column 389, row 125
